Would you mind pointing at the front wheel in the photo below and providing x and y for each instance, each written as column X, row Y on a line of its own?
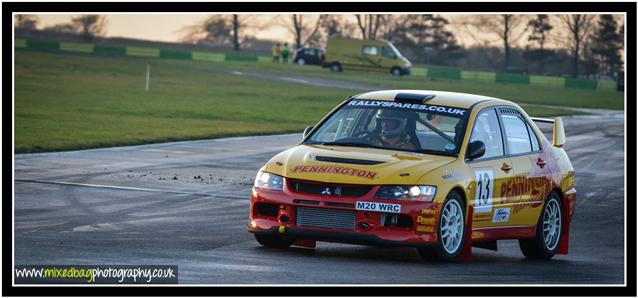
column 450, row 231
column 301, row 61
column 395, row 71
column 545, row 245
column 274, row 241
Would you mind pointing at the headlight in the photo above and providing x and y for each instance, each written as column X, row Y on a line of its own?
column 424, row 193
column 269, row 181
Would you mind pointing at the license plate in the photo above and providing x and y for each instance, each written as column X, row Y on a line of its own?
column 378, row 207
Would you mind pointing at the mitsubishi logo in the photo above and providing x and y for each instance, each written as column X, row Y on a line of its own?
column 326, row 191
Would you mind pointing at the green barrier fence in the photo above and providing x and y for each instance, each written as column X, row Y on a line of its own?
column 42, row 45
column 170, row 54
column 204, row 56
column 76, row 47
column 478, row 76
column 607, row 85
column 264, row 59
column 20, row 43
column 511, row 78
column 110, row 50
column 546, row 81
column 241, row 57
column 581, row 84
column 142, row 52
column 442, row 73
column 419, row 71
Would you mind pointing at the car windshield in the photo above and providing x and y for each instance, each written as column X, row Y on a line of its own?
column 396, row 52
column 392, row 125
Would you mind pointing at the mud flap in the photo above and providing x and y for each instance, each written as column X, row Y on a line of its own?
column 466, row 247
column 563, row 244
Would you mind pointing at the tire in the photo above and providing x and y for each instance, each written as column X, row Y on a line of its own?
column 452, row 227
column 545, row 245
column 301, row 61
column 395, row 71
column 335, row 67
column 273, row 241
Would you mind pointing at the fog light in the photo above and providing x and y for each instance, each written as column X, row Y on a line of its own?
column 284, row 218
column 364, row 225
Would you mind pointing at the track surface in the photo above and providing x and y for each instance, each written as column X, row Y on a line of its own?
column 187, row 203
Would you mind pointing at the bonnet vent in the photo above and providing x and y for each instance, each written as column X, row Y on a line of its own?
column 348, row 160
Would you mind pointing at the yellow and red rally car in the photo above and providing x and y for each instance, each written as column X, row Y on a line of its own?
column 438, row 171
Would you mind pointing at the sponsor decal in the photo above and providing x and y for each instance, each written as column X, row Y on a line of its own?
column 430, row 212
column 408, row 106
column 379, row 207
column 425, row 229
column 335, row 170
column 517, row 188
column 428, row 221
column 501, row 215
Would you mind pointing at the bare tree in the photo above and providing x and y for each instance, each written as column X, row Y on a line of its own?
column 578, row 26
column 506, row 27
column 369, row 25
column 220, row 29
column 337, row 25
column 304, row 32
column 539, row 28
column 90, row 26
column 391, row 25
column 26, row 21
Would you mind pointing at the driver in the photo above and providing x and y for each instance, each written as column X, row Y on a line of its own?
column 393, row 130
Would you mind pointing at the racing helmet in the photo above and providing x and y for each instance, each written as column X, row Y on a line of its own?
column 395, row 122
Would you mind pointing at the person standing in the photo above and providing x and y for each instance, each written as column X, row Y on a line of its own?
column 276, row 51
column 285, row 52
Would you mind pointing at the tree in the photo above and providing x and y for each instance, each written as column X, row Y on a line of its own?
column 540, row 28
column 303, row 32
column 426, row 38
column 26, row 21
column 336, row 25
column 578, row 26
column 369, row 25
column 506, row 27
column 607, row 41
column 90, row 26
column 219, row 30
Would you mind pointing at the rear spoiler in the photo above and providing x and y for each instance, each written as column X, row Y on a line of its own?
column 559, row 130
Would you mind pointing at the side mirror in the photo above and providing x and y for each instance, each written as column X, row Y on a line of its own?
column 476, row 150
column 306, row 131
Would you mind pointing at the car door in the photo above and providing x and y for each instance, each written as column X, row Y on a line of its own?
column 310, row 56
column 490, row 171
column 529, row 185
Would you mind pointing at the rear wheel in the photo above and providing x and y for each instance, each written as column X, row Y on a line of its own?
column 301, row 61
column 451, row 231
column 274, row 241
column 335, row 67
column 548, row 231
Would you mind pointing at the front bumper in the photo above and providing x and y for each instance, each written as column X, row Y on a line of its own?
column 417, row 225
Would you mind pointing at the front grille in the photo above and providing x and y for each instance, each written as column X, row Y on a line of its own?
column 325, row 218
column 330, row 189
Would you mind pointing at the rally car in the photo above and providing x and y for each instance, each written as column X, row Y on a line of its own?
column 438, row 171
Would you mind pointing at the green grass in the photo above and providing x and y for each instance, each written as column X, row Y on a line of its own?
column 533, row 94
column 69, row 101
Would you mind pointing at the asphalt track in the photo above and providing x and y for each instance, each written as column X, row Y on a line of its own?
column 186, row 204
